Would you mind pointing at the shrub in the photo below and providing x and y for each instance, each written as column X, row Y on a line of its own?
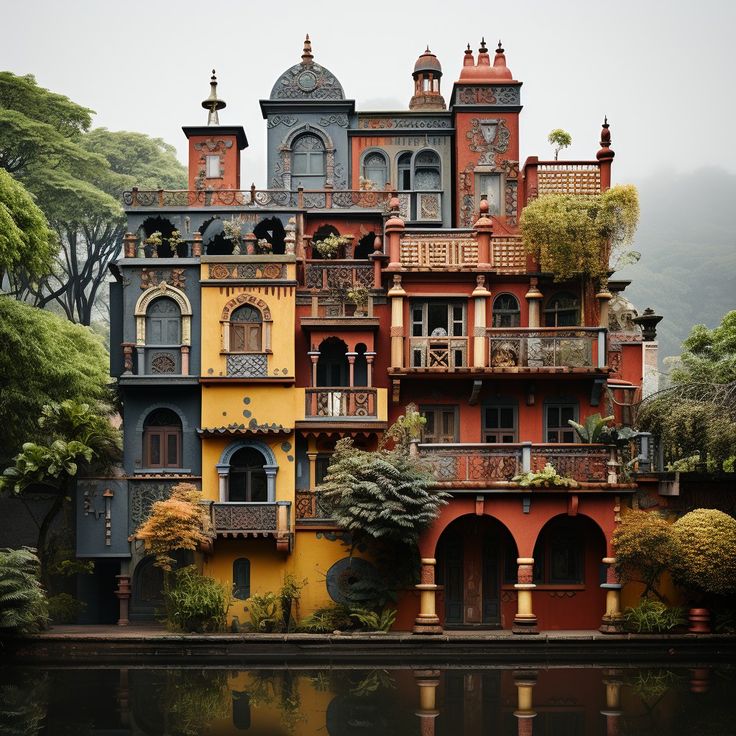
column 266, row 613
column 65, row 608
column 706, row 562
column 375, row 620
column 545, row 478
column 289, row 595
column 329, row 246
column 653, row 617
column 196, row 603
column 645, row 548
column 334, row 617
column 23, row 606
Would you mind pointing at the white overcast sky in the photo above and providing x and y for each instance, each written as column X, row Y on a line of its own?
column 662, row 70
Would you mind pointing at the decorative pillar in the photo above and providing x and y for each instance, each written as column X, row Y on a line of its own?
column 271, row 471
column 129, row 245
column 605, row 156
column 427, row 682
column 525, row 682
column 123, row 593
column 612, row 622
column 141, row 355
column 534, row 299
column 312, row 457
column 377, row 257
column 197, row 244
column 481, row 296
column 223, row 472
column 603, row 296
column 185, row 360
column 290, row 239
column 393, row 228
column 314, row 356
column 128, row 357
column 525, row 622
column 427, row 622
column 351, row 368
column 483, row 233
column 369, row 357
column 612, row 681
column 396, row 294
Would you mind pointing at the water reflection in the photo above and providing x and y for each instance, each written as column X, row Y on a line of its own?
column 515, row 702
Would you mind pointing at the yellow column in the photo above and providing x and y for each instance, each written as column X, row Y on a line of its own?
column 612, row 682
column 481, row 296
column 604, row 297
column 612, row 622
column 525, row 682
column 427, row 622
column 534, row 299
column 427, row 681
column 396, row 294
column 525, row 622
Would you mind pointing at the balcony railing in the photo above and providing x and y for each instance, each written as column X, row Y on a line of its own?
column 474, row 465
column 445, row 353
column 568, row 177
column 299, row 199
column 236, row 517
column 344, row 274
column 547, row 348
column 309, row 506
column 343, row 402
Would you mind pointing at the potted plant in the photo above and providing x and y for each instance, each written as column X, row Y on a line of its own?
column 263, row 247
column 153, row 241
column 232, row 232
column 330, row 246
column 174, row 241
column 548, row 477
column 358, row 295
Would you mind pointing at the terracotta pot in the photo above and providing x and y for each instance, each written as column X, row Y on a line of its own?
column 699, row 621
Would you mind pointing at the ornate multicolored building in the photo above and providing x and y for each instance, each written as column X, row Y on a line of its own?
column 242, row 354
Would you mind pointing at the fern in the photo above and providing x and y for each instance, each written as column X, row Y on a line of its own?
column 23, row 606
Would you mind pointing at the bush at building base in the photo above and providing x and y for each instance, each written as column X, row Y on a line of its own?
column 23, row 606
column 196, row 603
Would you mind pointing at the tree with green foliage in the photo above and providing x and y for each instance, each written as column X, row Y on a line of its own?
column 559, row 139
column 695, row 418
column 45, row 358
column 23, row 607
column 26, row 240
column 382, row 495
column 571, row 234
column 706, row 562
column 77, row 440
column 645, row 547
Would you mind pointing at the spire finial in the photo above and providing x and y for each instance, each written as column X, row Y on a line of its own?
column 482, row 48
column 307, row 54
column 605, row 151
column 212, row 103
column 427, row 51
column 499, row 50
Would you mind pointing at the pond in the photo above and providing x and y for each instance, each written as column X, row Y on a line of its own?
column 564, row 701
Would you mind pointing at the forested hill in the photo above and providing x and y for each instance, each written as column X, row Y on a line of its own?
column 687, row 238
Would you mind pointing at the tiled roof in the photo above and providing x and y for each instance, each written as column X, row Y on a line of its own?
column 231, row 430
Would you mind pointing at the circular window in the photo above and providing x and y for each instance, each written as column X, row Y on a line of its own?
column 352, row 581
column 307, row 81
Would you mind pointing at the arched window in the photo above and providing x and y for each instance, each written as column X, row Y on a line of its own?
column 562, row 310
column 163, row 323
column 427, row 171
column 308, row 162
column 559, row 553
column 246, row 325
column 241, row 578
column 247, row 476
column 403, row 164
column 332, row 364
column 375, row 169
column 360, row 369
column 506, row 311
column 162, row 439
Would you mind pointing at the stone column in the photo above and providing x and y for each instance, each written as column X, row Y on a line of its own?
column 397, row 294
column 612, row 681
column 185, row 360
column 271, row 471
column 197, row 244
column 223, row 471
column 483, row 233
column 427, row 622
column 123, row 594
column 427, row 681
column 604, row 297
column 128, row 348
column 534, row 299
column 312, row 457
column 480, row 349
column 129, row 245
column 351, row 368
column 369, row 357
column 314, row 356
column 525, row 622
column 612, row 622
column 393, row 228
column 525, row 682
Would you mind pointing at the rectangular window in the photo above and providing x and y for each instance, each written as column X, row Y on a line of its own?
column 499, row 423
column 441, row 425
column 162, row 447
column 213, row 167
column 490, row 185
column 557, row 416
column 438, row 319
column 321, row 464
column 245, row 337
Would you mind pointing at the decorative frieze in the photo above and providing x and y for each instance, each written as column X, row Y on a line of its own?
column 388, row 123
column 247, row 366
column 222, row 271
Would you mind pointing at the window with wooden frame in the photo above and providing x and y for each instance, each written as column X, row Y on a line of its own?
column 562, row 310
column 321, row 466
column 500, row 423
column 246, row 330
column 247, row 481
column 441, row 424
column 438, row 319
column 375, row 169
column 162, row 440
column 559, row 554
column 506, row 312
column 557, row 416
column 241, row 578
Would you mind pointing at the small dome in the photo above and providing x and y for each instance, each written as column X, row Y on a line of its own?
column 483, row 71
column 428, row 62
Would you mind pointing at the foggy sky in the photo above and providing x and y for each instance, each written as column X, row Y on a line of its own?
column 662, row 71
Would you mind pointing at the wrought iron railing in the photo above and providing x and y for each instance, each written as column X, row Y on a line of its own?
column 546, row 348
column 309, row 505
column 332, row 402
column 438, row 352
column 343, row 274
column 475, row 464
column 234, row 517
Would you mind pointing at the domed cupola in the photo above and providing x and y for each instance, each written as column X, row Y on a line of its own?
column 427, row 74
column 307, row 81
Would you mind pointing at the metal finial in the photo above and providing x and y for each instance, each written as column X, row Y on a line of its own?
column 307, row 54
column 482, row 45
column 212, row 103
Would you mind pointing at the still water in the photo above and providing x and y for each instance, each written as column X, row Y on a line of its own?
column 563, row 701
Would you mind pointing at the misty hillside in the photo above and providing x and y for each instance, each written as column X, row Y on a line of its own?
column 687, row 239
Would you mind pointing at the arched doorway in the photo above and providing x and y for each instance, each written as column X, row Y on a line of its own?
column 272, row 230
column 475, row 556
column 332, row 365
column 214, row 241
column 166, row 229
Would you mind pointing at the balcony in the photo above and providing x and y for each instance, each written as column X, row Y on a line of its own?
column 564, row 177
column 343, row 274
column 420, row 206
column 479, row 465
column 309, row 507
column 254, row 519
column 530, row 349
column 438, row 354
column 330, row 403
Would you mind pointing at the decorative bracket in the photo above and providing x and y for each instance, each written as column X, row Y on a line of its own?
column 475, row 392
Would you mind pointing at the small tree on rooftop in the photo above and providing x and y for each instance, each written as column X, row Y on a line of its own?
column 559, row 139
column 572, row 234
